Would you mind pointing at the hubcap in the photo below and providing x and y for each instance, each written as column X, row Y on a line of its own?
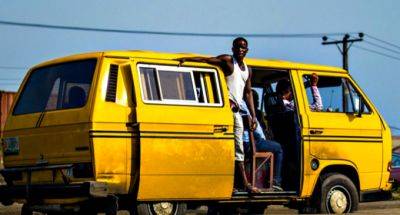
column 338, row 200
column 163, row 208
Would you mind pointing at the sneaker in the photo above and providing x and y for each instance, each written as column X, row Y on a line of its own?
column 277, row 188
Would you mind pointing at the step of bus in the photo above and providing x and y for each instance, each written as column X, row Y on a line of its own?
column 270, row 196
column 264, row 193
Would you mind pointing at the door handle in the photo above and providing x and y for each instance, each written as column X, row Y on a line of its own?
column 220, row 128
column 316, row 131
column 132, row 124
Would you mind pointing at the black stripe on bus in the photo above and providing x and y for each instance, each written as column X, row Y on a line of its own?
column 361, row 141
column 189, row 137
column 351, row 137
column 111, row 131
column 111, row 136
column 155, row 132
column 177, row 132
column 161, row 137
column 82, row 148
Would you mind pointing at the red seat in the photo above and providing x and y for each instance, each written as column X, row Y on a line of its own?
column 263, row 156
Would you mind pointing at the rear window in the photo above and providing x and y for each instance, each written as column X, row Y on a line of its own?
column 57, row 87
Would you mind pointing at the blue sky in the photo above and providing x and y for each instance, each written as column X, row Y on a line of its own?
column 377, row 75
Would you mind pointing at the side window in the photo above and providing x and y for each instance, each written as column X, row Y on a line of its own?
column 176, row 85
column 200, row 87
column 330, row 90
column 337, row 95
column 73, row 95
column 179, row 85
column 207, row 87
column 53, row 99
column 354, row 100
column 148, row 79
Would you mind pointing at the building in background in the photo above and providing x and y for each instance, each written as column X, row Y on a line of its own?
column 6, row 100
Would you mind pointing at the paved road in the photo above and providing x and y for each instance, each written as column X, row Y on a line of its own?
column 384, row 207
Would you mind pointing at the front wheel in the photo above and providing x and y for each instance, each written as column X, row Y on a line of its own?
column 338, row 195
column 161, row 208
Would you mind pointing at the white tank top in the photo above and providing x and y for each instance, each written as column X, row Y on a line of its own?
column 237, row 81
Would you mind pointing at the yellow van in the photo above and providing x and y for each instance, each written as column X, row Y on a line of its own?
column 134, row 130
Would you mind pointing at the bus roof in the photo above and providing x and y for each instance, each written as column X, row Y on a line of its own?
column 270, row 63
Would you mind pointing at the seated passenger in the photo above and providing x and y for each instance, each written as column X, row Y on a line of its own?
column 284, row 90
column 292, row 144
column 262, row 144
column 76, row 97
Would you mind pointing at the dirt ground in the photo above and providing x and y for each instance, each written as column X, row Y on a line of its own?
column 383, row 207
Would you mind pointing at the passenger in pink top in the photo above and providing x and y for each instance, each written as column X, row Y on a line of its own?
column 284, row 91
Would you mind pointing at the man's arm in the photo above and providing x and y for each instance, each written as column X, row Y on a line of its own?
column 249, row 99
column 210, row 60
column 222, row 61
column 317, row 100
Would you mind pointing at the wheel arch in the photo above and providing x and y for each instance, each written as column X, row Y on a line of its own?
column 345, row 169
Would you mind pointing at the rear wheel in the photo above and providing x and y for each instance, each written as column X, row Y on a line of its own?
column 161, row 208
column 111, row 205
column 338, row 195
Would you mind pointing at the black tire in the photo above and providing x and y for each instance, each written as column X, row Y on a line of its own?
column 26, row 210
column 154, row 208
column 111, row 205
column 338, row 195
column 87, row 208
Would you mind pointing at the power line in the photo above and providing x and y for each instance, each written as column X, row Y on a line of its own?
column 394, row 128
column 9, row 79
column 382, row 41
column 13, row 67
column 376, row 52
column 11, row 84
column 76, row 28
column 382, row 47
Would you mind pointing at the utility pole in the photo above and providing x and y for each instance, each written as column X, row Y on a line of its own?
column 346, row 42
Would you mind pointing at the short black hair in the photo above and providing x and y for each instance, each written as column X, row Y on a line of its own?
column 237, row 40
column 282, row 86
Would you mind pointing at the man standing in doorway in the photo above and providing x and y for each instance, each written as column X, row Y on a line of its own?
column 238, row 79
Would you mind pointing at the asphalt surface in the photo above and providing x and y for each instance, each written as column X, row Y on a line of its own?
column 383, row 207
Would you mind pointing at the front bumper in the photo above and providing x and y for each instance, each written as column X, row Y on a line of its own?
column 34, row 192
column 48, row 191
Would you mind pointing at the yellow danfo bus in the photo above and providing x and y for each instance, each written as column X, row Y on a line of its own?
column 137, row 131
